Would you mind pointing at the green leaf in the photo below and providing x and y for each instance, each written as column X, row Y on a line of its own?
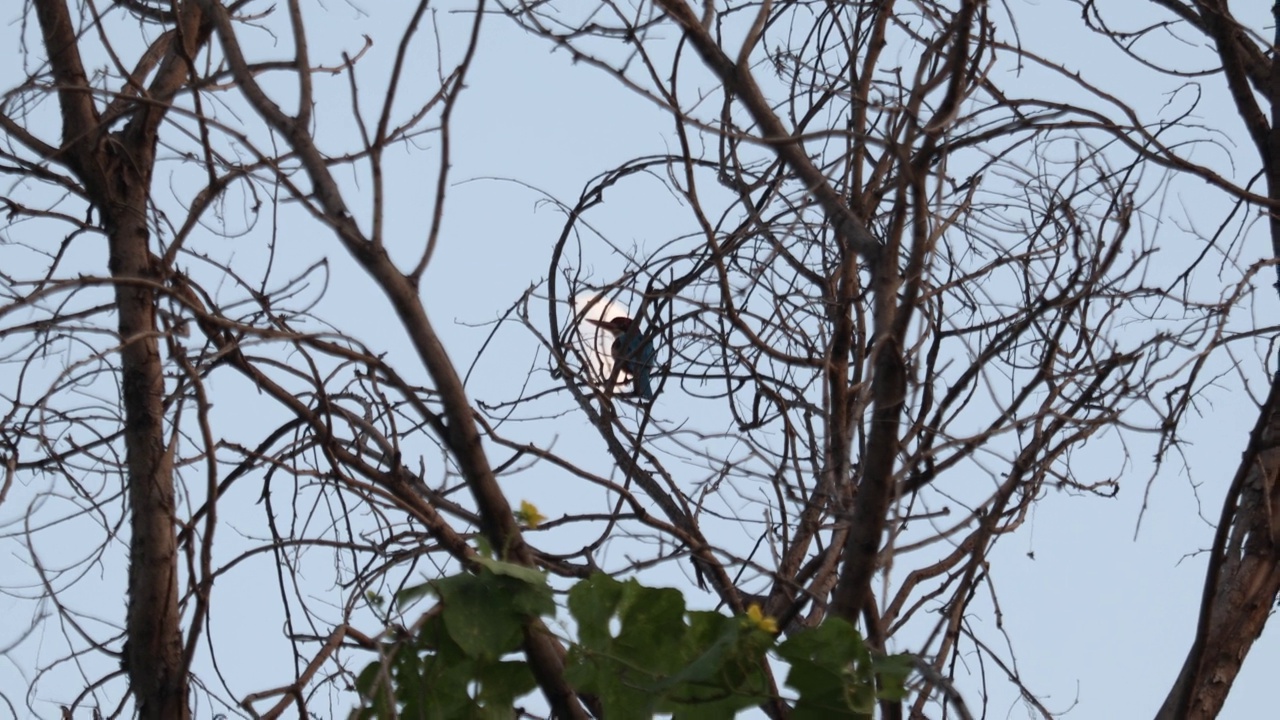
column 579, row 670
column 662, row 659
column 502, row 682
column 443, row 678
column 713, row 639
column 372, row 686
column 708, row 711
column 816, row 682
column 408, row 668
column 836, row 674
column 530, row 575
column 592, row 603
column 620, row 687
column 722, row 671
column 833, row 644
column 893, row 671
column 814, row 711
column 623, row 701
column 653, row 626
column 411, row 594
column 863, row 700
column 434, row 637
column 479, row 616
column 528, row 600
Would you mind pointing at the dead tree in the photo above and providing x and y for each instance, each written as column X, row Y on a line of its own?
column 909, row 297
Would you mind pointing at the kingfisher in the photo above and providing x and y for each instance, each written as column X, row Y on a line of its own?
column 631, row 351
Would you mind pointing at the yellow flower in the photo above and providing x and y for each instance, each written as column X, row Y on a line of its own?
column 529, row 515
column 757, row 618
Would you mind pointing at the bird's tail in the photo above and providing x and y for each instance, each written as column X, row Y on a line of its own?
column 644, row 386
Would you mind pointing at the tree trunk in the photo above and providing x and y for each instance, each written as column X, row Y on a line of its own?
column 115, row 169
column 1243, row 579
column 154, row 655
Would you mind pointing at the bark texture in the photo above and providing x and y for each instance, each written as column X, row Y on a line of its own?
column 115, row 168
column 1243, row 580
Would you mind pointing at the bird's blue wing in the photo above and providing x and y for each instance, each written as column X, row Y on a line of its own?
column 640, row 356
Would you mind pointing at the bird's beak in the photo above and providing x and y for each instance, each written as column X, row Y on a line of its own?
column 597, row 323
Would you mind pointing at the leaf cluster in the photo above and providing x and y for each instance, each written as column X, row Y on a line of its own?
column 638, row 652
column 455, row 666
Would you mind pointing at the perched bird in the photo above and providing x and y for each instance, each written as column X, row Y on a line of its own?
column 590, row 343
column 632, row 351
